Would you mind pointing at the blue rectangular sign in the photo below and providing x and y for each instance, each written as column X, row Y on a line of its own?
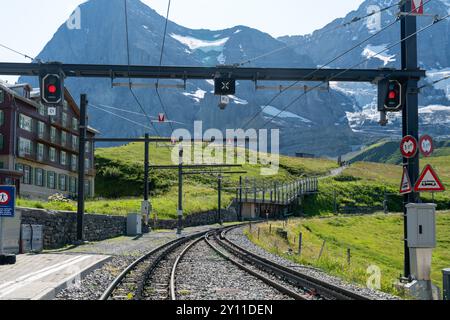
column 7, row 201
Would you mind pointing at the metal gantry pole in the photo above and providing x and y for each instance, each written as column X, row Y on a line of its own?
column 240, row 199
column 180, row 190
column 146, row 177
column 219, row 199
column 81, row 167
column 410, row 112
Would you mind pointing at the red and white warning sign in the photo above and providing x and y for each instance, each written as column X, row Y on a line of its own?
column 417, row 6
column 408, row 147
column 162, row 117
column 429, row 181
column 406, row 186
column 426, row 146
column 4, row 197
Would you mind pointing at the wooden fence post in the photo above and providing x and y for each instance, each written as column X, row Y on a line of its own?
column 300, row 243
column 321, row 250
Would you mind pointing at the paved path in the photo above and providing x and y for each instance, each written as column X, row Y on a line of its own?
column 42, row 276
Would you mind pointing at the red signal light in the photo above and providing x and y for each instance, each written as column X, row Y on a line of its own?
column 51, row 88
column 392, row 95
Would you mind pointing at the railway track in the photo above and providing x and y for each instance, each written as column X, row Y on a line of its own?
column 154, row 275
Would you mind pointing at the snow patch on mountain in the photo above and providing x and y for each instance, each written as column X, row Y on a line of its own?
column 197, row 95
column 372, row 51
column 434, row 75
column 272, row 111
column 198, row 44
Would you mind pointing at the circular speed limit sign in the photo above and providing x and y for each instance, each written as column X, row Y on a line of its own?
column 408, row 147
column 426, row 145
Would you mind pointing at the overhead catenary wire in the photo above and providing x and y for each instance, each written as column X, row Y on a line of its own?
column 21, row 53
column 161, row 60
column 325, row 65
column 436, row 20
column 128, row 63
column 434, row 82
column 119, row 116
column 346, row 24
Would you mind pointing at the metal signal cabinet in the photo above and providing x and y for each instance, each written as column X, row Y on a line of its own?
column 10, row 233
column 134, row 224
column 421, row 225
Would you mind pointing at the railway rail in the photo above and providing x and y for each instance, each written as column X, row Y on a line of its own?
column 154, row 275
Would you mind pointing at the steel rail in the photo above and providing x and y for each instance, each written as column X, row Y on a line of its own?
column 266, row 280
column 165, row 248
column 322, row 288
column 175, row 266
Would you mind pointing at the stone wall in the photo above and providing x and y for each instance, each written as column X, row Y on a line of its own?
column 197, row 219
column 60, row 226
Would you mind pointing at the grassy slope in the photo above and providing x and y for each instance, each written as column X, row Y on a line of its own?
column 120, row 174
column 373, row 240
column 364, row 184
column 387, row 151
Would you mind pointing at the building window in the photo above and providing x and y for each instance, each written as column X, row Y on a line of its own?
column 41, row 129
column 88, row 146
column 2, row 141
column 25, row 123
column 27, row 175
column 39, row 180
column 2, row 96
column 40, row 152
column 73, row 163
column 87, row 188
column 62, row 182
column 53, row 134
column 65, row 106
column 73, row 185
column 74, row 142
column 2, row 117
column 51, row 180
column 75, row 124
column 52, row 154
column 63, row 138
column 63, row 158
column 41, row 110
column 87, row 164
column 19, row 168
column 64, row 120
column 25, row 147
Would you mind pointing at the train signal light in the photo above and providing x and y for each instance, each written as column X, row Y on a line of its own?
column 390, row 96
column 224, row 86
column 52, row 89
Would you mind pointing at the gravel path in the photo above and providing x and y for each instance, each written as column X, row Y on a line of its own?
column 237, row 236
column 204, row 275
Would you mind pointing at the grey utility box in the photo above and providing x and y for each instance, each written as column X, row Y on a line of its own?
column 446, row 273
column 10, row 233
column 134, row 224
column 421, row 225
column 32, row 239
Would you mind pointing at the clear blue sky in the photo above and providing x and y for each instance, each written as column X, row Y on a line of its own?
column 28, row 24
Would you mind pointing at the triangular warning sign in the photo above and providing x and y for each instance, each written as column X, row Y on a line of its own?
column 405, row 186
column 417, row 6
column 429, row 181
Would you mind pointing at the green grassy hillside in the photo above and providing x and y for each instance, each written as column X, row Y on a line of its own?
column 387, row 151
column 373, row 241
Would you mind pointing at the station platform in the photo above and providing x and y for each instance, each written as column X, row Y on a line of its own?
column 43, row 276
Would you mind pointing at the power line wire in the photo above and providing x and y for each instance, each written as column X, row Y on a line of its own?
column 326, row 64
column 434, row 82
column 128, row 63
column 119, row 116
column 346, row 24
column 436, row 20
column 160, row 63
column 20, row 53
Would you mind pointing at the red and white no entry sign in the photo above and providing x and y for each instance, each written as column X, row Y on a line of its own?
column 4, row 197
column 408, row 147
column 426, row 145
